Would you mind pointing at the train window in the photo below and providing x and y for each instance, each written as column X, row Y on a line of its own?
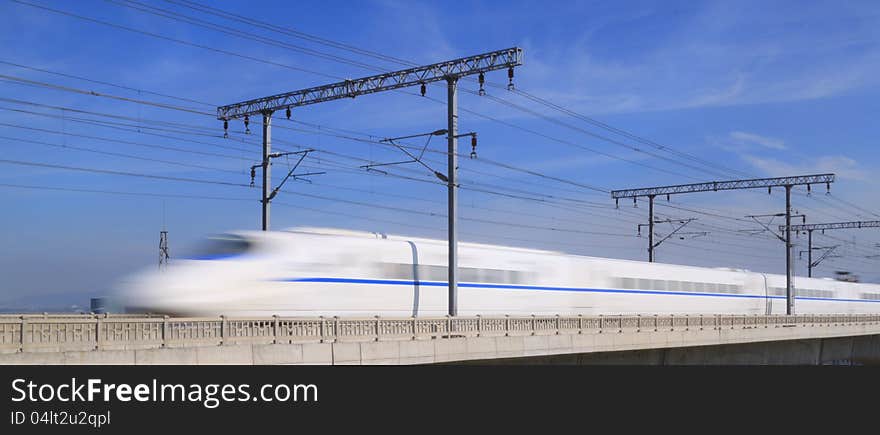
column 432, row 273
column 427, row 272
column 396, row 271
column 468, row 274
column 674, row 286
column 871, row 296
column 628, row 283
column 491, row 275
column 812, row 293
column 220, row 247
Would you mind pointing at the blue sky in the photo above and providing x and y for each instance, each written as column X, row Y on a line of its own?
column 754, row 88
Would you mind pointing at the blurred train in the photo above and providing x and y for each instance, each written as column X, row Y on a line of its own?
column 330, row 272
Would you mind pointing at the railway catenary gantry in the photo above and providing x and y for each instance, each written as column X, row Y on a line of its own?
column 714, row 186
column 450, row 71
column 809, row 228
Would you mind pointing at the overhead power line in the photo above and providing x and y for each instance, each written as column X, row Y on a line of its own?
column 335, row 44
column 100, row 82
column 216, row 50
column 116, row 154
column 513, row 196
column 176, row 41
column 123, row 173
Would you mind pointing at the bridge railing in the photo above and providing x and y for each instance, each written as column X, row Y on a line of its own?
column 58, row 333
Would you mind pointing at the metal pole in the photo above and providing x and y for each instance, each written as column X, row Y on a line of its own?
column 789, row 290
column 452, row 158
column 810, row 253
column 650, row 228
column 267, row 170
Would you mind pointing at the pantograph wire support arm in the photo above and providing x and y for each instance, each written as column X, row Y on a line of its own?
column 415, row 159
column 766, row 226
column 302, row 156
column 826, row 254
column 682, row 224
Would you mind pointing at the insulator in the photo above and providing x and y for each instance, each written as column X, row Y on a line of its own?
column 616, row 202
column 253, row 175
column 769, row 190
column 247, row 122
column 423, row 89
column 510, row 79
column 225, row 128
column 482, row 81
column 827, row 188
column 635, row 204
column 667, row 197
column 473, row 146
column 288, row 113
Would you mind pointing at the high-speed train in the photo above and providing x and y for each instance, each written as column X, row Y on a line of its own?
column 330, row 272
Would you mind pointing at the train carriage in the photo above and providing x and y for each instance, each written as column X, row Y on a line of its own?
column 329, row 272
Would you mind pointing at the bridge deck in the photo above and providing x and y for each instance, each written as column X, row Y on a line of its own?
column 91, row 339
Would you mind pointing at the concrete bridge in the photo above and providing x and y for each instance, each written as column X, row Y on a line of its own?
column 629, row 339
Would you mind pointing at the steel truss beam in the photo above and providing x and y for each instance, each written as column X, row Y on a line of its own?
column 713, row 186
column 833, row 226
column 441, row 71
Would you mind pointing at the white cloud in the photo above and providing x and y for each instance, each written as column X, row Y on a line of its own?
column 722, row 55
column 743, row 137
column 842, row 166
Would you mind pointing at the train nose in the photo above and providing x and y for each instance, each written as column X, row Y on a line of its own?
column 171, row 291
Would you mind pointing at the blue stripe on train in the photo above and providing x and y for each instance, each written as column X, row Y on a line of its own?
column 547, row 288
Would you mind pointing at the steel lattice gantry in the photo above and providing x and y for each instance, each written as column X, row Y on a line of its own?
column 834, row 226
column 714, row 186
column 500, row 59
column 809, row 228
column 450, row 71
